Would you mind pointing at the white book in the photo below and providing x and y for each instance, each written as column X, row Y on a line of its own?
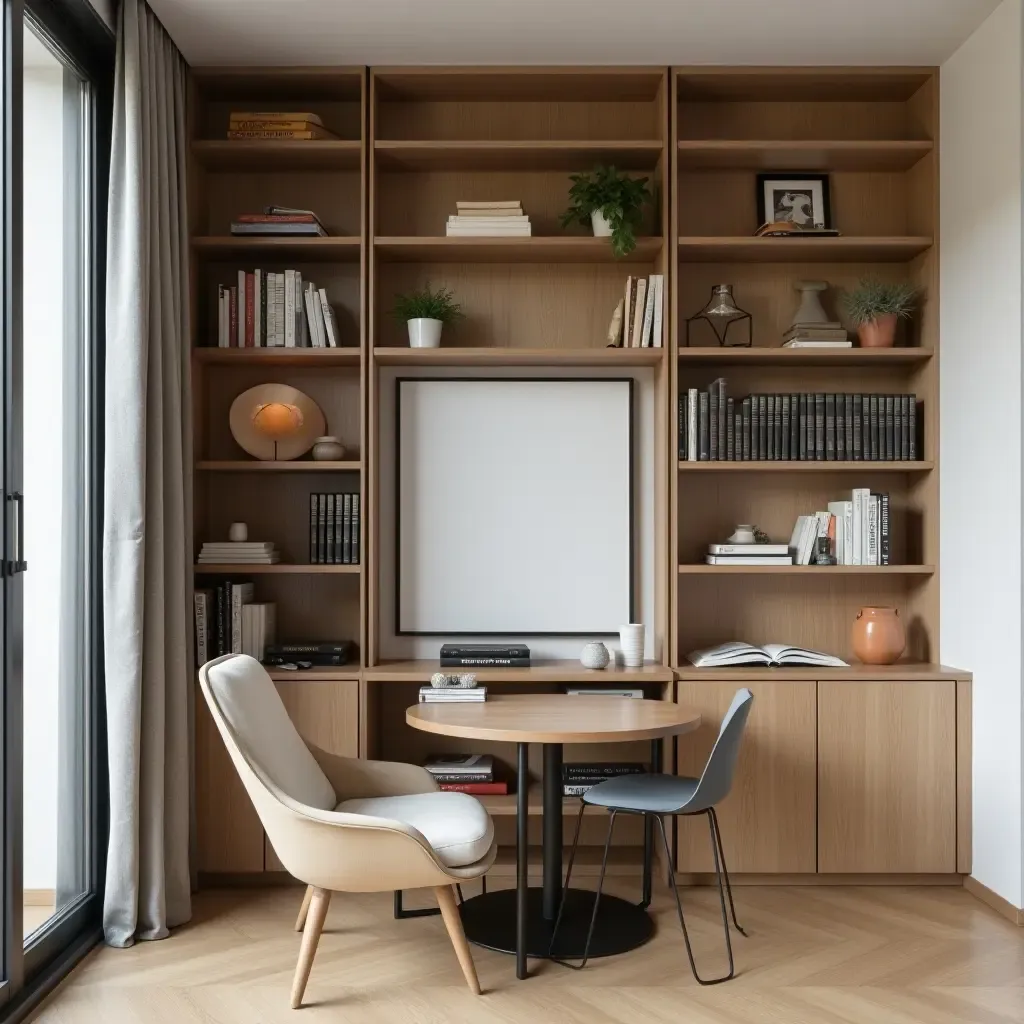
column 843, row 511
column 748, row 549
column 318, row 316
column 659, row 301
column 748, row 560
column 627, row 313
column 691, row 425
column 648, row 322
column 240, row 303
column 488, row 204
column 457, row 218
column 807, row 539
column 330, row 325
column 860, row 496
column 268, row 326
column 239, row 559
column 223, row 313
column 871, row 555
column 814, row 343
column 289, row 309
column 633, row 692
column 233, row 545
column 257, row 308
column 453, row 231
column 301, row 334
column 307, row 301
column 796, row 539
column 201, row 600
column 636, row 331
column 736, row 653
column 282, row 288
column 492, row 212
column 241, row 593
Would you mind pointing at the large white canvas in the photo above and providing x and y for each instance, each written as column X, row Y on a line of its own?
column 514, row 500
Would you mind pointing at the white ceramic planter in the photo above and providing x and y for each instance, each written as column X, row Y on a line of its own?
column 602, row 229
column 632, row 639
column 425, row 332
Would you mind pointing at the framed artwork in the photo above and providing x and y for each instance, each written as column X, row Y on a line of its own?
column 800, row 200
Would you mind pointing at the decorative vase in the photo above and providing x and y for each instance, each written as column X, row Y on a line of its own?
column 328, row 449
column 878, row 333
column 425, row 332
column 878, row 636
column 632, row 639
column 238, row 533
column 743, row 534
column 594, row 655
column 810, row 310
column 598, row 221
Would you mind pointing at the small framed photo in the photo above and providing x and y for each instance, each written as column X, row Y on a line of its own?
column 800, row 200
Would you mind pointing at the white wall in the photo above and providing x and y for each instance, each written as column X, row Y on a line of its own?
column 980, row 431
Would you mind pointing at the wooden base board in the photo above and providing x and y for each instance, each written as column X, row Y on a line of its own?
column 702, row 878
column 1004, row 908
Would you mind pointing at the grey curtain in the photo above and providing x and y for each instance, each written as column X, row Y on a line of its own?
column 147, row 555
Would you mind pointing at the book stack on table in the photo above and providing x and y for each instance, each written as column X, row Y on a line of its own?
column 485, row 656
column 465, row 773
column 578, row 779
column 453, row 694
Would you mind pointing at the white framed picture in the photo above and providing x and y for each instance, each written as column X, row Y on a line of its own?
column 799, row 200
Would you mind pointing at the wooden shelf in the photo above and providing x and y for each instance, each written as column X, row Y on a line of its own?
column 344, row 249
column 519, row 356
column 501, row 806
column 277, row 356
column 259, row 156
column 809, row 155
column 806, row 570
column 539, row 672
column 903, row 671
column 762, row 466
column 255, row 466
column 536, row 249
column 281, row 569
column 827, row 249
column 515, row 155
column 340, row 674
column 763, row 356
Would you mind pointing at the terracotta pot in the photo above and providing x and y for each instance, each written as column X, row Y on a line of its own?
column 878, row 636
column 878, row 333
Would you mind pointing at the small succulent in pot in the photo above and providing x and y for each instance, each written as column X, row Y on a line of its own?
column 426, row 311
column 875, row 306
column 611, row 202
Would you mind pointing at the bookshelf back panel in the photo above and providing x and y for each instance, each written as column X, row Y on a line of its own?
column 343, row 117
column 512, row 305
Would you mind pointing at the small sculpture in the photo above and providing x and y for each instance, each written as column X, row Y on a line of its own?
column 595, row 655
column 461, row 680
column 721, row 313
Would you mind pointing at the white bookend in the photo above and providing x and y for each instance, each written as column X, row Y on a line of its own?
column 691, row 425
column 636, row 331
column 289, row 309
column 257, row 307
column 627, row 313
column 330, row 332
column 240, row 304
column 648, row 324
column 659, row 302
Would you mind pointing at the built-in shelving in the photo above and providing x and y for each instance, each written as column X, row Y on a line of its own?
column 535, row 249
column 568, row 671
column 249, row 248
column 787, row 357
column 504, row 356
column 760, row 466
column 258, row 157
column 806, row 570
column 297, row 466
column 817, row 249
column 806, row 154
column 515, row 154
column 309, row 357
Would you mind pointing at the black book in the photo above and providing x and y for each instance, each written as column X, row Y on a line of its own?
column 738, row 434
column 848, row 402
column 809, row 427
column 840, row 427
column 328, row 533
column 794, row 427
column 730, row 432
column 755, row 429
column 713, row 422
column 762, row 426
column 784, row 454
column 312, row 660
column 357, row 524
column 883, row 528
column 704, row 426
column 314, row 553
column 915, row 448
column 602, row 769
column 819, row 427
column 777, row 425
column 830, row 428
column 801, row 418
column 890, row 427
column 723, row 421
column 224, row 612
column 745, row 416
column 898, row 452
column 770, row 418
column 681, row 428
column 485, row 650
column 484, row 662
column 346, row 528
column 858, row 429
column 342, row 648
column 875, row 446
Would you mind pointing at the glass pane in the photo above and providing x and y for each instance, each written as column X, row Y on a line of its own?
column 55, row 499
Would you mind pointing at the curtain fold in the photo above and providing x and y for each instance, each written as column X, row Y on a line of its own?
column 147, row 547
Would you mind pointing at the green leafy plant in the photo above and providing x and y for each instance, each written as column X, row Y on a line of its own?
column 618, row 198
column 872, row 299
column 429, row 304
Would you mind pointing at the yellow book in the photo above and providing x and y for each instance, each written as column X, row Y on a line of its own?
column 273, row 115
column 281, row 135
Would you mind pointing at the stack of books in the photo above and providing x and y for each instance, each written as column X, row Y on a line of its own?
column 637, row 319
column 499, row 219
column 230, row 552
column 748, row 554
column 309, row 653
column 267, row 309
column 828, row 334
column 858, row 531
column 466, row 773
column 280, row 220
column 334, row 526
column 277, row 124
column 228, row 622
column 485, row 656
column 453, row 694
column 577, row 779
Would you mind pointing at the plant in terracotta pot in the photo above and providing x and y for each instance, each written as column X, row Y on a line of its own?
column 875, row 306
column 426, row 311
column 611, row 202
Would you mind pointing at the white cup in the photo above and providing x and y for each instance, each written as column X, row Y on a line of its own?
column 238, row 532
column 632, row 639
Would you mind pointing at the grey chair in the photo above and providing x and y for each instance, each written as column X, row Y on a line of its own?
column 658, row 795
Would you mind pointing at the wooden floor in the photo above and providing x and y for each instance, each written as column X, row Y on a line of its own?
column 816, row 955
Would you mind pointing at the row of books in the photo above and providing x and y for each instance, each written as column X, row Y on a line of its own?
column 858, row 530
column 277, row 124
column 485, row 656
column 233, row 552
column 265, row 309
column 334, row 524
column 637, row 319
column 578, row 779
column 797, row 427
column 498, row 219
column 228, row 621
column 465, row 773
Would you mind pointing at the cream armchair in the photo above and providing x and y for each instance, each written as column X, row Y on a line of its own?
column 340, row 824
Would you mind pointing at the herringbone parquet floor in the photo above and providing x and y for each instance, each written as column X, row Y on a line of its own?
column 815, row 955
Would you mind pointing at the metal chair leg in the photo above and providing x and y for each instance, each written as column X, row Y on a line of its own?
column 725, row 870
column 401, row 914
column 568, row 876
column 682, row 919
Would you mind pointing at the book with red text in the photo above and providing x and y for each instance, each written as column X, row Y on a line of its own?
column 475, row 788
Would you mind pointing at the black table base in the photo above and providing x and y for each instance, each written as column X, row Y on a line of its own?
column 490, row 921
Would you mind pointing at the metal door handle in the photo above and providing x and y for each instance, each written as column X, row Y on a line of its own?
column 18, row 564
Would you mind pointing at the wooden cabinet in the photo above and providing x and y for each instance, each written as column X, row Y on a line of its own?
column 768, row 820
column 887, row 779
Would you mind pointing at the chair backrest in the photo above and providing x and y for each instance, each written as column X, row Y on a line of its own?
column 243, row 697
column 716, row 779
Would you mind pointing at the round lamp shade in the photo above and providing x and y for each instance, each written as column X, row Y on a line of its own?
column 276, row 422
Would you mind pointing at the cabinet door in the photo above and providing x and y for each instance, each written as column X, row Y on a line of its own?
column 326, row 713
column 229, row 836
column 887, row 777
column 767, row 820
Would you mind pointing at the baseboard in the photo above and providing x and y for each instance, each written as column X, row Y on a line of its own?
column 1004, row 908
column 39, row 897
column 739, row 878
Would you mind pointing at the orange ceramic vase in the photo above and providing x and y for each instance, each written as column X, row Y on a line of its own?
column 878, row 636
column 878, row 333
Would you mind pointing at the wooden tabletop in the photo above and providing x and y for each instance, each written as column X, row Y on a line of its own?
column 555, row 718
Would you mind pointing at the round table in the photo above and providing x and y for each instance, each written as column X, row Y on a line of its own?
column 520, row 921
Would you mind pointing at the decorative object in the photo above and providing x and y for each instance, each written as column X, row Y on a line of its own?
column 810, row 312
column 721, row 313
column 875, row 306
column 238, row 533
column 811, row 327
column 275, row 422
column 631, row 637
column 426, row 312
column 798, row 201
column 823, row 552
column 760, row 537
column 460, row 680
column 614, row 338
column 611, row 203
column 328, row 449
column 743, row 534
column 878, row 636
column 595, row 655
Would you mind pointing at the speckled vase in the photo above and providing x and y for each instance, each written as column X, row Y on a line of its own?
column 595, row 655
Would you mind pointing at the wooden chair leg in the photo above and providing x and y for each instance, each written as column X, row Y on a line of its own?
column 321, row 900
column 453, row 922
column 300, row 921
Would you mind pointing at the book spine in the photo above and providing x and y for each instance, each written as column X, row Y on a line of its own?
column 898, row 452
column 730, row 431
column 225, row 616
column 485, row 662
column 703, row 452
column 801, row 417
column 745, row 415
column 346, row 529
column 850, row 401
column 890, row 428
column 713, row 423
column 236, row 618
column 201, row 599
column 475, row 788
column 873, row 426
column 819, row 427
column 289, row 309
column 681, row 428
column 321, row 529
column 250, row 310
column 883, row 528
column 329, row 553
column 776, row 422
column 915, row 448
column 357, row 525
column 762, row 426
column 858, row 428
column 692, row 429
column 830, row 428
column 872, row 552
column 577, row 790
column 314, row 550
column 232, row 316
column 723, row 422
column 769, row 402
column 840, row 428
column 259, row 277
column 464, row 778
column 785, row 456
column 794, row 427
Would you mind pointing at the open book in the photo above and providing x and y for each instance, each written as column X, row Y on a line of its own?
column 736, row 653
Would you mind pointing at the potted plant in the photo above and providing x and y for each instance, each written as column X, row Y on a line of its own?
column 426, row 312
column 875, row 306
column 611, row 203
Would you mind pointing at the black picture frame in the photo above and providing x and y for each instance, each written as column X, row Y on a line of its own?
column 766, row 177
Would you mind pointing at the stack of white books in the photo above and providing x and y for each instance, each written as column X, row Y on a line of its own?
column 258, row 628
column 452, row 694
column 827, row 334
column 748, row 554
column 497, row 219
column 229, row 552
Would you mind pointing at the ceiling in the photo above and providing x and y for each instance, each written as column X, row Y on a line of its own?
column 767, row 32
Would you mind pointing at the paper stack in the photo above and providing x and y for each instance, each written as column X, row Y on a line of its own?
column 239, row 553
column 829, row 334
column 497, row 219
